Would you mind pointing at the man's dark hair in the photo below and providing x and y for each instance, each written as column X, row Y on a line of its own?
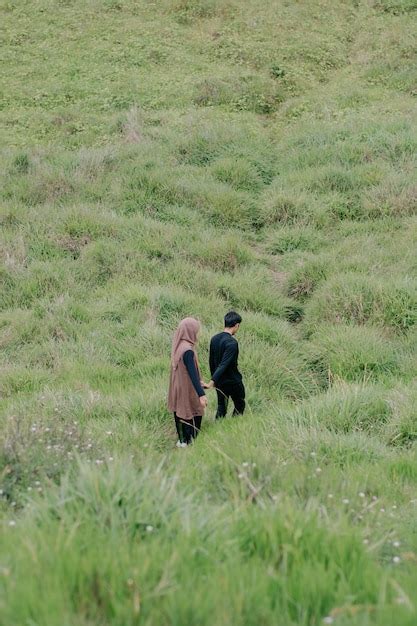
column 231, row 319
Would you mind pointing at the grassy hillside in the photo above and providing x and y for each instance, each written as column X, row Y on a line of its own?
column 181, row 158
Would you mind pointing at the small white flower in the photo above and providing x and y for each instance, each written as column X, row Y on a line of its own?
column 394, row 506
column 396, row 559
column 245, row 464
column 345, row 501
column 374, row 498
column 241, row 475
column 110, row 458
column 382, row 510
column 328, row 620
column 12, row 522
column 47, row 430
column 330, row 495
column 13, row 503
column 253, row 464
column 313, row 454
column 318, row 470
column 149, row 528
column 361, row 494
column 396, row 544
column 29, row 488
column 284, row 463
column 365, row 541
column 109, row 432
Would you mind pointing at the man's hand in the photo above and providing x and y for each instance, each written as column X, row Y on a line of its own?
column 210, row 384
column 203, row 401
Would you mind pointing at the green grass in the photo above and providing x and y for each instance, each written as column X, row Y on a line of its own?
column 182, row 158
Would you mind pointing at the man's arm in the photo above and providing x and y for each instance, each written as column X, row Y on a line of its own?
column 228, row 356
column 211, row 358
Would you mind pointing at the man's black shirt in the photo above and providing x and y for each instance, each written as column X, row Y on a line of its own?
column 224, row 352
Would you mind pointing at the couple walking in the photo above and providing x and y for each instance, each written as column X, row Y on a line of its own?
column 186, row 397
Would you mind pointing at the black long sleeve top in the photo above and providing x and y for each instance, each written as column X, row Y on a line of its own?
column 188, row 358
column 224, row 352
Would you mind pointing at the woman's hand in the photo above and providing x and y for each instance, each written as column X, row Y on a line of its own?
column 203, row 401
column 208, row 385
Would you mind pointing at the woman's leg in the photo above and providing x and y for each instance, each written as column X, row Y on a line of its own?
column 179, row 427
column 188, row 429
column 195, row 426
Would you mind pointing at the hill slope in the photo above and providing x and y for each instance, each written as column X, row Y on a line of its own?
column 185, row 157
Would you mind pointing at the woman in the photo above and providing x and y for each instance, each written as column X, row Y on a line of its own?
column 186, row 397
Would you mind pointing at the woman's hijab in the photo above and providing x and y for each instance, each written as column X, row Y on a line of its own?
column 185, row 338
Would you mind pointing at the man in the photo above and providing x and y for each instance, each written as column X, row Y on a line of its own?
column 225, row 376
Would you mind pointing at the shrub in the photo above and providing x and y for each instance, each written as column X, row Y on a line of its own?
column 253, row 290
column 248, row 92
column 356, row 353
column 237, row 172
column 356, row 298
column 21, row 163
column 403, row 470
column 305, row 278
column 274, row 331
column 396, row 6
column 226, row 253
column 290, row 238
column 186, row 10
column 20, row 380
column 99, row 262
column 392, row 197
column 34, row 454
column 345, row 409
column 402, row 427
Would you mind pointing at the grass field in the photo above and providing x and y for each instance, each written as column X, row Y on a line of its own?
column 185, row 157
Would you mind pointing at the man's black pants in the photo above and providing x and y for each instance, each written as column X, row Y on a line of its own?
column 236, row 391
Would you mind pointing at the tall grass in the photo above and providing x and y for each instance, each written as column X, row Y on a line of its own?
column 184, row 158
